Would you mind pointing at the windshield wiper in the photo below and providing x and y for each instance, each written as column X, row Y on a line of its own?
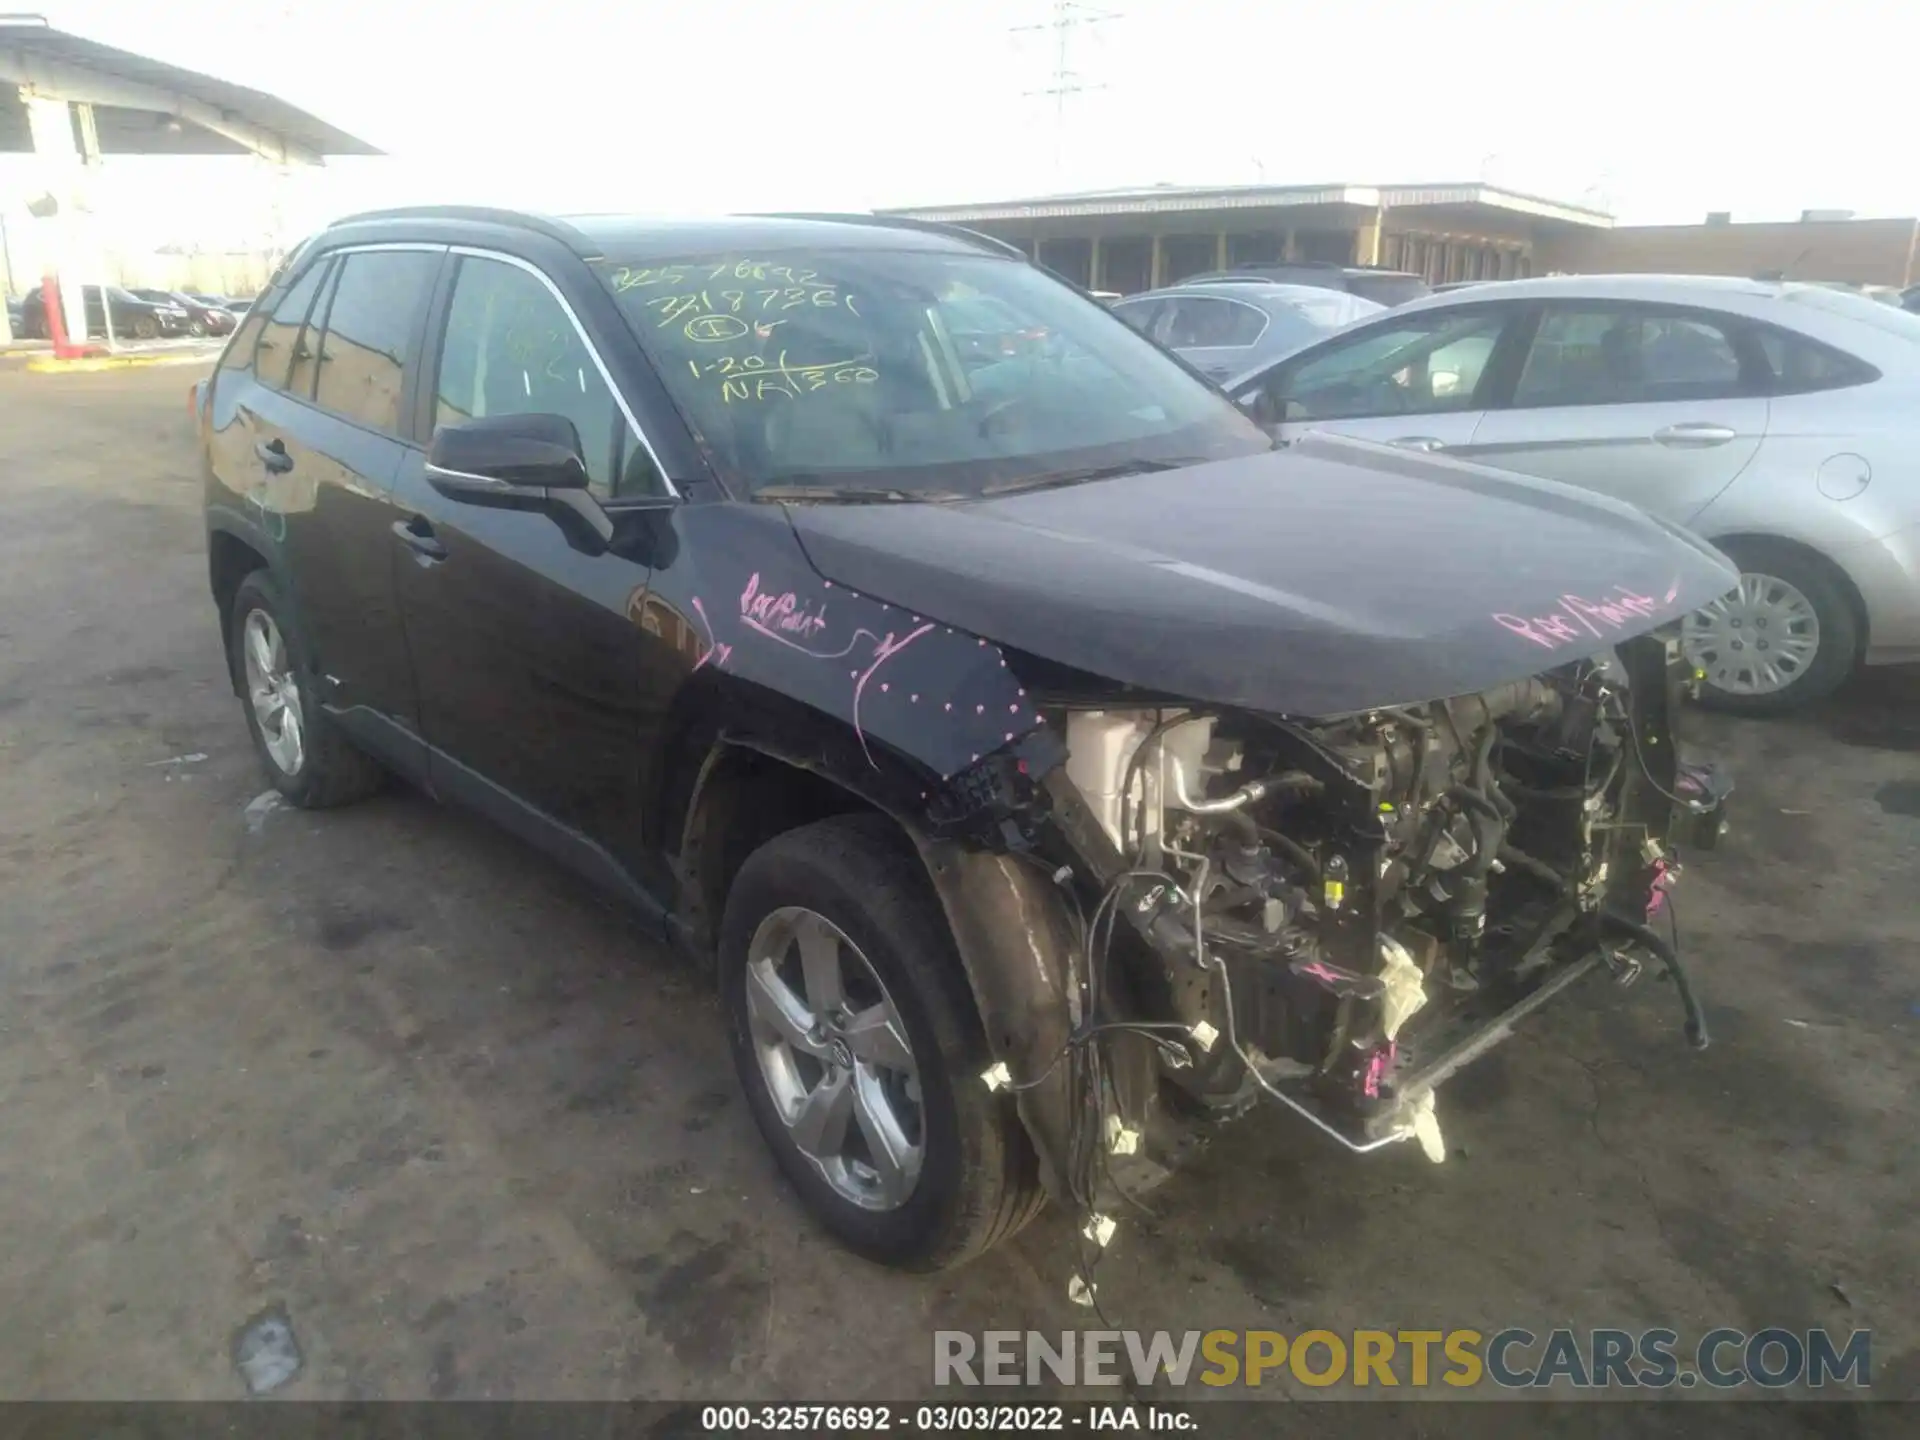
column 1091, row 472
column 852, row 494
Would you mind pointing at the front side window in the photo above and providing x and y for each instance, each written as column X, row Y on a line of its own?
column 370, row 322
column 869, row 369
column 1422, row 364
column 1198, row 322
column 510, row 349
column 1620, row 356
column 280, row 337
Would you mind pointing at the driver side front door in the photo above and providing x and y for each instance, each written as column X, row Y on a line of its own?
column 1419, row 379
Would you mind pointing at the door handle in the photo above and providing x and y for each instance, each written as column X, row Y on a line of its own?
column 417, row 535
column 1419, row 442
column 1694, row 434
column 273, row 454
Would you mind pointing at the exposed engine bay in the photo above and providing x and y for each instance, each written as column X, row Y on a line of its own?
column 1339, row 913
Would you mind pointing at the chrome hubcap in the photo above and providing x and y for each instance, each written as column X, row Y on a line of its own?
column 273, row 691
column 834, row 1056
column 1756, row 640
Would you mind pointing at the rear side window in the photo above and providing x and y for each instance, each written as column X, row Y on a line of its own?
column 1200, row 323
column 1622, row 356
column 370, row 327
column 281, row 334
column 1140, row 314
column 1801, row 366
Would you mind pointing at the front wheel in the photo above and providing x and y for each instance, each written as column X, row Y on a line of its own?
column 1785, row 637
column 856, row 1039
column 146, row 328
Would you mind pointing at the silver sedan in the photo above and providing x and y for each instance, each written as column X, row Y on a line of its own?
column 1779, row 421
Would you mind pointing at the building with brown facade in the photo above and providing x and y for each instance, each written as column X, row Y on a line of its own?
column 1132, row 240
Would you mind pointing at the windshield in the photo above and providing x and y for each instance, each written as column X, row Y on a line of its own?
column 913, row 372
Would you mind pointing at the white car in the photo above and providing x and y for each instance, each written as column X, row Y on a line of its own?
column 1780, row 421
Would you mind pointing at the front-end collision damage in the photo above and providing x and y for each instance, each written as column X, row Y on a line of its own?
column 1169, row 911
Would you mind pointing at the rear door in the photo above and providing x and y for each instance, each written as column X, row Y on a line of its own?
column 324, row 426
column 1416, row 379
column 1661, row 406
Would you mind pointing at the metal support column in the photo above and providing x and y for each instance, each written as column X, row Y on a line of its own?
column 1156, row 264
column 1093, row 262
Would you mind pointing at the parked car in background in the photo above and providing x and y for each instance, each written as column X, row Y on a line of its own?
column 202, row 318
column 133, row 317
column 225, row 302
column 1221, row 328
column 1385, row 287
column 1779, row 420
column 14, row 305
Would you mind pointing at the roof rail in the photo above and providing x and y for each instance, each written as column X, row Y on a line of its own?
column 905, row 222
column 482, row 214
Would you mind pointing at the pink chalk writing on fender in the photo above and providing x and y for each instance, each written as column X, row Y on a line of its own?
column 782, row 614
column 718, row 653
column 1576, row 620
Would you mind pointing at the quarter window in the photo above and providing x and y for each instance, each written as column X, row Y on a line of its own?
column 280, row 338
column 1801, row 366
column 510, row 349
column 1617, row 356
column 370, row 326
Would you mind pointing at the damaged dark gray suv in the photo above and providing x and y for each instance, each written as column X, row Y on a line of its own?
column 1051, row 767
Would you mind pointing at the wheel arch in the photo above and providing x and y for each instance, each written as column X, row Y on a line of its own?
column 1010, row 926
column 233, row 554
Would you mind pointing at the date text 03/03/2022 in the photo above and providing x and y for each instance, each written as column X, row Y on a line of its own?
column 939, row 1419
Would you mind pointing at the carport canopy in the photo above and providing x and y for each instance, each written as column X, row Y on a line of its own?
column 146, row 107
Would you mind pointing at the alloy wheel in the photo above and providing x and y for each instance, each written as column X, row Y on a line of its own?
column 834, row 1056
column 1755, row 641
column 273, row 691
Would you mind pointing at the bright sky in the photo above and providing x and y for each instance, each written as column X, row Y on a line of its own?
column 1660, row 109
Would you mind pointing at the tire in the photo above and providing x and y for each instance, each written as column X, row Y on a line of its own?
column 1821, row 673
column 145, row 327
column 197, row 329
column 978, row 1179
column 328, row 771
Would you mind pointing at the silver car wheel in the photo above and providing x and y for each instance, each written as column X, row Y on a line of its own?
column 273, row 691
column 833, row 1053
column 1755, row 641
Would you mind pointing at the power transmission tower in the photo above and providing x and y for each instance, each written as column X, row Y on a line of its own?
column 1068, row 18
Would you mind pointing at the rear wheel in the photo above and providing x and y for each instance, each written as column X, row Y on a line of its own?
column 856, row 1039
column 1785, row 637
column 307, row 757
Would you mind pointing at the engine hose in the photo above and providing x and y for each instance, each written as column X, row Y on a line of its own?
column 1696, row 1020
column 1293, row 849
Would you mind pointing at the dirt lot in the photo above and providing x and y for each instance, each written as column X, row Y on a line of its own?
column 392, row 1072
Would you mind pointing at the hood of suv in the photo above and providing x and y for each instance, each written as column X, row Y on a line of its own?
column 1332, row 576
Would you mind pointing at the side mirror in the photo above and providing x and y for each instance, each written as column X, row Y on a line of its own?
column 506, row 457
column 1261, row 407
